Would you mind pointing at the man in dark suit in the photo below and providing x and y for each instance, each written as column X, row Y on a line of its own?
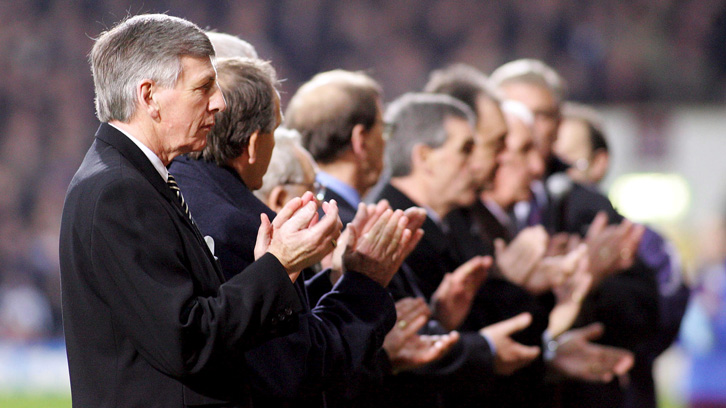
column 624, row 299
column 347, row 326
column 430, row 149
column 149, row 319
column 338, row 114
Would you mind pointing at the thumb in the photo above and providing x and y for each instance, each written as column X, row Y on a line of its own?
column 499, row 246
column 516, row 323
column 264, row 236
column 593, row 331
column 352, row 238
column 598, row 224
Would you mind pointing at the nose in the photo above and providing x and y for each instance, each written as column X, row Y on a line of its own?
column 216, row 101
column 536, row 164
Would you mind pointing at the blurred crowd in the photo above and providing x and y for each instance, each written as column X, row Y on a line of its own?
column 609, row 51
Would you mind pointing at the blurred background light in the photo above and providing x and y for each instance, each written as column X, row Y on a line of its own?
column 651, row 197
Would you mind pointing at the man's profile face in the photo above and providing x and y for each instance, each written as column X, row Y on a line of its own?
column 450, row 171
column 491, row 132
column 521, row 164
column 546, row 111
column 373, row 165
column 186, row 111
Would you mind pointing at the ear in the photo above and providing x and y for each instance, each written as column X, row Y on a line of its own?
column 420, row 154
column 277, row 198
column 252, row 146
column 599, row 165
column 358, row 140
column 146, row 97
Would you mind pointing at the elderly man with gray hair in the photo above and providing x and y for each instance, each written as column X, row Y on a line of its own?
column 149, row 319
column 429, row 151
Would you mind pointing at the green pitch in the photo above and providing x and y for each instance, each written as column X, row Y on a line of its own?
column 34, row 401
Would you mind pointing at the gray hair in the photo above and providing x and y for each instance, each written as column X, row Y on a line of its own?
column 325, row 109
column 249, row 87
column 148, row 46
column 227, row 46
column 419, row 118
column 285, row 167
column 461, row 81
column 530, row 71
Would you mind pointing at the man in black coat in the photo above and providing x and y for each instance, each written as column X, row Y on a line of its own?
column 625, row 301
column 346, row 327
column 430, row 150
column 149, row 319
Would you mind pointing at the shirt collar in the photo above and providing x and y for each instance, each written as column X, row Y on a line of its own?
column 153, row 158
column 348, row 193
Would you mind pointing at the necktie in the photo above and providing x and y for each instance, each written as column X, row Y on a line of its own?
column 171, row 182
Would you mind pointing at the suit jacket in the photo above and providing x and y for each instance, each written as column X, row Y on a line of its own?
column 336, row 337
column 468, row 368
column 627, row 303
column 472, row 231
column 149, row 319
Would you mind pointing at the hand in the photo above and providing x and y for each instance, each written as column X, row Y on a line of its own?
column 611, row 248
column 570, row 294
column 517, row 260
column 405, row 348
column 578, row 358
column 379, row 252
column 296, row 238
column 552, row 271
column 510, row 355
column 452, row 300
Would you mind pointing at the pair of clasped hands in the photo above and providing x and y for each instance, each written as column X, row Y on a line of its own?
column 374, row 244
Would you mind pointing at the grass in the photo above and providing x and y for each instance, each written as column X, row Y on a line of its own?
column 35, row 401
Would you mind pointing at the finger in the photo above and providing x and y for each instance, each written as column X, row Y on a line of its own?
column 499, row 247
column 593, row 331
column 264, row 236
column 361, row 215
column 401, row 250
column 388, row 242
column 307, row 197
column 416, row 217
column 301, row 219
column 413, row 326
column 412, row 242
column 515, row 324
column 287, row 211
column 598, row 224
column 329, row 227
column 370, row 237
column 405, row 306
column 624, row 364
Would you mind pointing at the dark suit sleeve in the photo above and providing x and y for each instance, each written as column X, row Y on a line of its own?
column 627, row 302
column 342, row 334
column 151, row 279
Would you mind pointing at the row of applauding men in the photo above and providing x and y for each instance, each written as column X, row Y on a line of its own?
column 210, row 258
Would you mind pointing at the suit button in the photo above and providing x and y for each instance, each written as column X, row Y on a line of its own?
column 288, row 311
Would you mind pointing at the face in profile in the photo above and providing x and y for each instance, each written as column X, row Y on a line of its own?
column 521, row 164
column 490, row 133
column 186, row 111
column 450, row 166
column 546, row 110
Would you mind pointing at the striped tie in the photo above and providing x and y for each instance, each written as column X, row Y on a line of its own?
column 171, row 182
